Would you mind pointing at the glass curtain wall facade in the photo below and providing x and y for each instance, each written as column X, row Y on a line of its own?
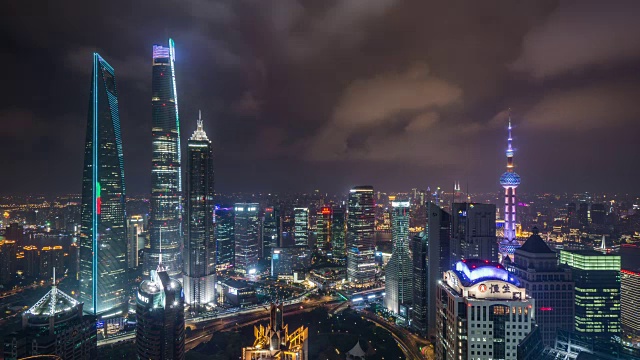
column 338, row 233
column 247, row 236
column 103, row 231
column 361, row 267
column 398, row 279
column 597, row 292
column 438, row 232
column 323, row 226
column 200, row 247
column 225, row 237
column 271, row 231
column 165, row 222
column 301, row 226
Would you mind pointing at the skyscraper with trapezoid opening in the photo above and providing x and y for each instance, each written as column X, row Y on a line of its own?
column 103, row 233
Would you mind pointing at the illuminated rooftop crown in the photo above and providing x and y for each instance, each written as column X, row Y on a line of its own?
column 474, row 271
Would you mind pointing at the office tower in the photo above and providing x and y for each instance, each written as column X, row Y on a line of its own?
column 160, row 318
column 630, row 301
column 225, row 237
column 483, row 312
column 51, row 257
column 323, row 226
column 271, row 230
column 583, row 214
column 438, row 259
column 361, row 266
column 572, row 216
column 473, row 232
column 301, row 226
column 7, row 260
column 32, row 261
column 165, row 222
column 598, row 214
column 536, row 265
column 338, row 233
column 15, row 232
column 54, row 325
column 286, row 260
column 509, row 181
column 398, row 273
column 247, row 237
column 420, row 313
column 200, row 248
column 275, row 341
column 103, row 230
column 135, row 227
column 597, row 292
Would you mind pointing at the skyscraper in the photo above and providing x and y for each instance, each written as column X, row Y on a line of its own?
column 160, row 318
column 509, row 181
column 398, row 274
column 438, row 242
column 54, row 325
column 420, row 313
column 7, row 260
column 536, row 265
column 323, row 226
column 361, row 266
column 135, row 227
column 630, row 301
column 200, row 247
column 483, row 312
column 165, row 223
column 473, row 232
column 338, row 233
column 103, row 231
column 301, row 226
column 247, row 237
column 225, row 237
column 271, row 230
column 597, row 292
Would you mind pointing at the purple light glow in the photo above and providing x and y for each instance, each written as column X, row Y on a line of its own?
column 488, row 271
column 160, row 52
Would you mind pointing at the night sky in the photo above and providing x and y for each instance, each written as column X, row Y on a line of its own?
column 303, row 95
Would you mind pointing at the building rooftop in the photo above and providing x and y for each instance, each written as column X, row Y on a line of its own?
column 53, row 302
column 474, row 271
column 535, row 244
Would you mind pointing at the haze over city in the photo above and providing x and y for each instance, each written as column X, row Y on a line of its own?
column 306, row 180
column 310, row 95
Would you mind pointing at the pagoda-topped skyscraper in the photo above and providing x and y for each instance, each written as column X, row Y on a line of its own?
column 509, row 181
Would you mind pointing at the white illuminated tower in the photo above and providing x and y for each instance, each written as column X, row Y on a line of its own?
column 509, row 181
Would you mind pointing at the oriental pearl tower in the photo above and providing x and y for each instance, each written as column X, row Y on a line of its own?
column 509, row 181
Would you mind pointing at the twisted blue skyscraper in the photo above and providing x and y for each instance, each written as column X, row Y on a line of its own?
column 165, row 222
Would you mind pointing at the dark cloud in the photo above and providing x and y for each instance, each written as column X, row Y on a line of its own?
column 298, row 95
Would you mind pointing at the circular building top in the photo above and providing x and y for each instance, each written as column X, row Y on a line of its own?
column 510, row 179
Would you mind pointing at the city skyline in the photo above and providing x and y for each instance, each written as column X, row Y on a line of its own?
column 271, row 110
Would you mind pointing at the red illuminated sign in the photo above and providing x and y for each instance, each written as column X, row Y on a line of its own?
column 326, row 210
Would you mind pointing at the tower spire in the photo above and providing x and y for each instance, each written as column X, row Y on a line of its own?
column 200, row 121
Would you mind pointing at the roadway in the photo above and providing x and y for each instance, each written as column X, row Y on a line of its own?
column 204, row 333
column 199, row 321
column 409, row 343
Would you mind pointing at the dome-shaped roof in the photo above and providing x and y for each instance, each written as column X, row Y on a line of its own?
column 510, row 179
